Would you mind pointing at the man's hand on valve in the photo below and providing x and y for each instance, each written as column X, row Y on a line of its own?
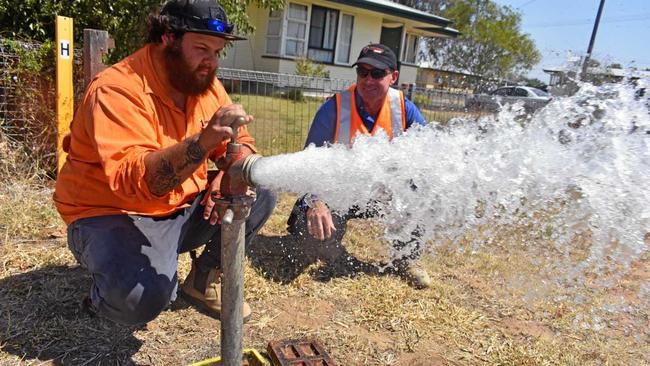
column 219, row 127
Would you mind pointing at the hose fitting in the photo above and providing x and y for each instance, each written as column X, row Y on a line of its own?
column 247, row 169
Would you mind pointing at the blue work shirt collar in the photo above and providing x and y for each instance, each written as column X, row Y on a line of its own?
column 367, row 119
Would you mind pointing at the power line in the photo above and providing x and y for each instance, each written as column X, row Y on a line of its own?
column 569, row 23
column 526, row 4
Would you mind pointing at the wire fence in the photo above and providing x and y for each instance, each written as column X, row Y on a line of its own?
column 15, row 111
column 283, row 105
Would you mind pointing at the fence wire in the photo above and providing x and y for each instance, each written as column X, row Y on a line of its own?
column 15, row 112
column 283, row 105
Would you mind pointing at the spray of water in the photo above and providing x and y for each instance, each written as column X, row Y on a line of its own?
column 581, row 164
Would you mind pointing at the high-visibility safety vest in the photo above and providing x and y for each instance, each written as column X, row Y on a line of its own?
column 391, row 118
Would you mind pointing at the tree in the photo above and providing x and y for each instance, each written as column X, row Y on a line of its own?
column 491, row 44
column 125, row 20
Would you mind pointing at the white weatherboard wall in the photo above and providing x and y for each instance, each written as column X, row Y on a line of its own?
column 247, row 54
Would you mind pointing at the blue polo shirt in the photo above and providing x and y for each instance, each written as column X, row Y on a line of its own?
column 323, row 127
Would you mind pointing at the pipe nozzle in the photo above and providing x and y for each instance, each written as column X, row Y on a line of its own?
column 247, row 169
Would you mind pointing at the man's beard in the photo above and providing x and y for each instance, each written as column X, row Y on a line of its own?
column 181, row 75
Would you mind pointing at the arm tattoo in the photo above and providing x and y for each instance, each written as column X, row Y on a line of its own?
column 168, row 176
column 164, row 179
column 194, row 154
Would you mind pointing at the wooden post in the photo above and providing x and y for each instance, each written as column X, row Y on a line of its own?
column 64, row 86
column 96, row 45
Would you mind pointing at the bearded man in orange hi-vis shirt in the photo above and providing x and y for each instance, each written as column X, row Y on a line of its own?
column 134, row 189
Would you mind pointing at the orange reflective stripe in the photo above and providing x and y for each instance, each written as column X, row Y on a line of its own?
column 391, row 118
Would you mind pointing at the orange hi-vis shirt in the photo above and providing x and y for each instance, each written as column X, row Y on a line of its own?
column 391, row 118
column 125, row 114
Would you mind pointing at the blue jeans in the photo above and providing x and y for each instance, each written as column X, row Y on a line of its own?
column 133, row 259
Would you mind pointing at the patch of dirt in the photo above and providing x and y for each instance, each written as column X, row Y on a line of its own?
column 527, row 329
column 296, row 312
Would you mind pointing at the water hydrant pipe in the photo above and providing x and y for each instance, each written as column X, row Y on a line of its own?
column 232, row 290
column 237, row 205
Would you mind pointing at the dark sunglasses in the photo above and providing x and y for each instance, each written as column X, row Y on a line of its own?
column 374, row 73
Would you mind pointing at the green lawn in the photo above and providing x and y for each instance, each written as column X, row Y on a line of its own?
column 281, row 125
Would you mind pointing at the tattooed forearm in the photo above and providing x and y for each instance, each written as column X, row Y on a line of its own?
column 167, row 168
column 164, row 179
column 194, row 154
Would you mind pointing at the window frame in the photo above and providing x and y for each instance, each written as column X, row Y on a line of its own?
column 405, row 48
column 322, row 40
column 305, row 52
column 338, row 40
column 285, row 38
column 279, row 37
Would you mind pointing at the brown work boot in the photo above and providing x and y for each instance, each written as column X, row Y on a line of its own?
column 203, row 289
column 413, row 272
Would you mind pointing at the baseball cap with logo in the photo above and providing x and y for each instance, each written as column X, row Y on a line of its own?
column 200, row 16
column 377, row 55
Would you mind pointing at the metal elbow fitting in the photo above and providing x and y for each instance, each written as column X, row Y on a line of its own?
column 247, row 169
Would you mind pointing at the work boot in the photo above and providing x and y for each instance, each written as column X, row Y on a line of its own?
column 414, row 274
column 203, row 289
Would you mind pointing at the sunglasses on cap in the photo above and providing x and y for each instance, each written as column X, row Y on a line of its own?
column 213, row 24
column 374, row 73
column 217, row 25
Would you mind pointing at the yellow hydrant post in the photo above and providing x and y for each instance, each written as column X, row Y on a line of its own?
column 64, row 86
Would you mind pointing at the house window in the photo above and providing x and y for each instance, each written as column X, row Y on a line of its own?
column 322, row 34
column 274, row 32
column 345, row 39
column 411, row 49
column 294, row 42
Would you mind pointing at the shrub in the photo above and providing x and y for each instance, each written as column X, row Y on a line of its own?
column 28, row 122
column 305, row 67
column 421, row 100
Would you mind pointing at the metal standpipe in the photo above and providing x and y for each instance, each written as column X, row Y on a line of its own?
column 233, row 229
column 235, row 202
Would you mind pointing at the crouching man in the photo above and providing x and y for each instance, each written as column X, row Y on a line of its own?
column 368, row 106
column 134, row 189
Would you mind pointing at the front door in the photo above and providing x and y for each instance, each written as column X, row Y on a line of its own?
column 392, row 37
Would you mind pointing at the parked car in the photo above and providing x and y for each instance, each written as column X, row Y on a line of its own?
column 532, row 98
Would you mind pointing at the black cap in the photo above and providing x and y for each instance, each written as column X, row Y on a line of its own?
column 200, row 16
column 377, row 55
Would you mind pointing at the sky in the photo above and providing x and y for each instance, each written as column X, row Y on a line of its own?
column 562, row 26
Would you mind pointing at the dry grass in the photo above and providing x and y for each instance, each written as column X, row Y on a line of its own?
column 493, row 307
